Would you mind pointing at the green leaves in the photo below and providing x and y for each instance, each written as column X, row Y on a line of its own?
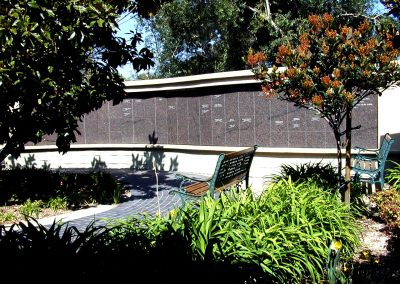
column 56, row 64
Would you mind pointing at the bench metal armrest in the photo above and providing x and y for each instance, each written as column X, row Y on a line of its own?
column 192, row 177
column 365, row 150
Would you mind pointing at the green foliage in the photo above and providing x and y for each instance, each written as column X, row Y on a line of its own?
column 196, row 37
column 57, row 203
column 31, row 208
column 7, row 216
column 57, row 188
column 21, row 184
column 279, row 237
column 33, row 246
column 392, row 175
column 58, row 62
column 388, row 206
column 324, row 175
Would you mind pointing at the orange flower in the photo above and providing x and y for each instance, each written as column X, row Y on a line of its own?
column 345, row 31
column 260, row 56
column 317, row 100
column 308, row 84
column 366, row 73
column 316, row 70
column 291, row 72
column 347, row 96
column 253, row 59
column 328, row 18
column 283, row 50
column 304, row 46
column 336, row 73
column 384, row 59
column 325, row 48
column 335, row 84
column 364, row 27
column 293, row 94
column 268, row 91
column 331, row 34
column 326, row 80
column 315, row 22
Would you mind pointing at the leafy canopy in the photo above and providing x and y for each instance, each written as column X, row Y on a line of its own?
column 58, row 61
column 196, row 37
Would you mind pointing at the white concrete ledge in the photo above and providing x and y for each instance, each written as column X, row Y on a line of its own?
column 191, row 82
column 184, row 148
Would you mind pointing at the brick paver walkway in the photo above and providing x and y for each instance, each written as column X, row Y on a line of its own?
column 143, row 199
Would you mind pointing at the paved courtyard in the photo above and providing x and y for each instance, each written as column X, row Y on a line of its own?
column 142, row 186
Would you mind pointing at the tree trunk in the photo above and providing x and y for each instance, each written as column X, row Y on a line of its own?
column 339, row 158
column 348, row 155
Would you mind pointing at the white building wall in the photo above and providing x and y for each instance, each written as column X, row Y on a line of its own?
column 195, row 159
column 389, row 115
column 202, row 159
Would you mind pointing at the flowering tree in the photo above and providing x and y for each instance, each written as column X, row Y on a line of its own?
column 330, row 70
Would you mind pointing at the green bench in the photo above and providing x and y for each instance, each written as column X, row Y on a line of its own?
column 371, row 163
column 231, row 170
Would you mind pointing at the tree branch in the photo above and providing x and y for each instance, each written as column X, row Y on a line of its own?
column 266, row 15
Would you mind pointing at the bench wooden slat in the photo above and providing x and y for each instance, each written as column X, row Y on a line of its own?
column 198, row 188
column 232, row 169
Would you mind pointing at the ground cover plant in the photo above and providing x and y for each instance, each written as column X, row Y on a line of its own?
column 30, row 190
column 282, row 236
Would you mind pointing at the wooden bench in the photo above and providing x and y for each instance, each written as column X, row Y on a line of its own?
column 231, row 170
column 371, row 163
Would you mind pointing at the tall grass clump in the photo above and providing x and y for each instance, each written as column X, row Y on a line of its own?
column 282, row 236
column 393, row 175
column 324, row 174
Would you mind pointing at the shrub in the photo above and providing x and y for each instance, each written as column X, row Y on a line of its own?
column 79, row 189
column 7, row 216
column 27, row 183
column 388, row 207
column 31, row 208
column 324, row 175
column 57, row 203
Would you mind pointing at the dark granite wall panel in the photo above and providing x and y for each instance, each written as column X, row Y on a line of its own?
column 205, row 121
column 172, row 120
column 161, row 123
column 182, row 121
column 194, row 120
column 231, row 116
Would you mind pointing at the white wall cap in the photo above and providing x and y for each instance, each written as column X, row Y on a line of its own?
column 191, row 82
